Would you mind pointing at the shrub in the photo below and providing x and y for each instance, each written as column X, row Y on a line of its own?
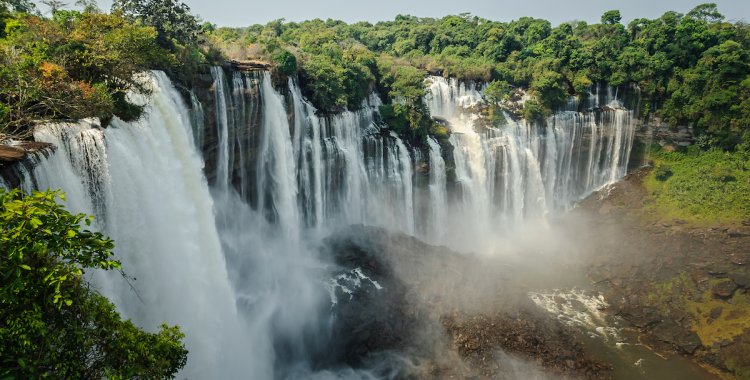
column 285, row 63
column 52, row 325
column 663, row 172
column 534, row 111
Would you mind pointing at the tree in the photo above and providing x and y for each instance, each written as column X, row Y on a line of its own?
column 285, row 62
column 75, row 65
column 172, row 19
column 706, row 12
column 611, row 17
column 51, row 323
column 497, row 91
column 54, row 5
column 88, row 6
column 24, row 6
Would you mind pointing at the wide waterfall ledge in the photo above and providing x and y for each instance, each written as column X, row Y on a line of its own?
column 219, row 208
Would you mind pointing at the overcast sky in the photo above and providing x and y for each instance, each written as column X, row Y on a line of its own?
column 244, row 12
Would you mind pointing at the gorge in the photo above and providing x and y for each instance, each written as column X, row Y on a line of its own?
column 231, row 253
column 412, row 198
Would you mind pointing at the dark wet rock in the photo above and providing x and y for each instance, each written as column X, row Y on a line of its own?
column 371, row 313
column 414, row 312
column 598, row 275
column 724, row 289
column 440, row 120
column 248, row 65
column 739, row 258
column 528, row 333
column 688, row 342
column 683, row 340
column 715, row 312
column 642, row 317
column 741, row 279
column 717, row 272
column 737, row 233
column 699, row 277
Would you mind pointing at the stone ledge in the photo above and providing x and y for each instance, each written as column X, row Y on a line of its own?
column 250, row 65
column 17, row 150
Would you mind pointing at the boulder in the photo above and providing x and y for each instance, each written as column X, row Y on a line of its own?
column 10, row 153
column 683, row 340
column 741, row 279
column 16, row 150
column 716, row 312
column 739, row 258
column 724, row 289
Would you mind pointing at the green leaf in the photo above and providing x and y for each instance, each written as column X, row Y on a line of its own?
column 24, row 266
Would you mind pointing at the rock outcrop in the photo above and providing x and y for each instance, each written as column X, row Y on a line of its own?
column 15, row 151
column 396, row 294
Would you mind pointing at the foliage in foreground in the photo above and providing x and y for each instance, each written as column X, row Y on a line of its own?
column 52, row 325
column 702, row 186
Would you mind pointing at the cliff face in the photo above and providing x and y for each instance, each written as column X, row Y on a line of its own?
column 236, row 116
column 256, row 134
column 231, row 100
column 223, row 95
column 17, row 156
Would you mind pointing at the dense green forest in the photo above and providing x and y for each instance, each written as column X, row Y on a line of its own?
column 77, row 64
column 690, row 69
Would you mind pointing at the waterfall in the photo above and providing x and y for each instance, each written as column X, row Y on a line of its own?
column 438, row 197
column 230, row 253
column 143, row 182
column 522, row 170
column 404, row 177
column 197, row 118
column 308, row 151
column 317, row 173
column 276, row 170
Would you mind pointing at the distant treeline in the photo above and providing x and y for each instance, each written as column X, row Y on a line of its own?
column 691, row 69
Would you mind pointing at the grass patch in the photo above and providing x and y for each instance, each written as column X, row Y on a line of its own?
column 733, row 320
column 703, row 187
column 682, row 293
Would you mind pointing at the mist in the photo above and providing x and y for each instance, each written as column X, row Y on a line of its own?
column 329, row 247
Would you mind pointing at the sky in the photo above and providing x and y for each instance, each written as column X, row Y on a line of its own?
column 243, row 12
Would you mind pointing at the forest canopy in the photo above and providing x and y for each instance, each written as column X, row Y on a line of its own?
column 690, row 69
column 77, row 64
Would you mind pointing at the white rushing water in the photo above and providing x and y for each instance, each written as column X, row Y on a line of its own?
column 520, row 172
column 343, row 169
column 144, row 184
column 234, row 263
column 315, row 173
